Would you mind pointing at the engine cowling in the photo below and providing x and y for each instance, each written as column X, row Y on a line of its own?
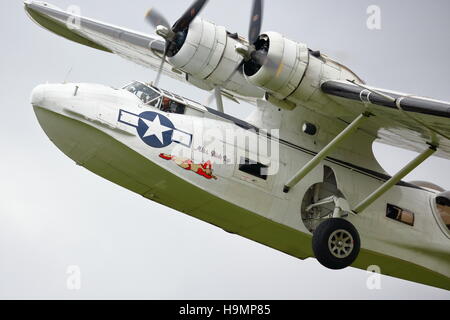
column 278, row 66
column 289, row 72
column 208, row 54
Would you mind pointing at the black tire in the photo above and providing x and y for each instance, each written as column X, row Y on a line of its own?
column 332, row 228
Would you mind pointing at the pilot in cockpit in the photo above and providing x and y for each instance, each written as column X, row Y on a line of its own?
column 165, row 105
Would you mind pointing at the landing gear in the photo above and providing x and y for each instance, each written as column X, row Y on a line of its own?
column 336, row 243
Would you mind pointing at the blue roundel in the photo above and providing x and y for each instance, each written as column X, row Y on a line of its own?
column 155, row 129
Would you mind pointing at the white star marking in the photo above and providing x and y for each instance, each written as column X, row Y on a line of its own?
column 155, row 128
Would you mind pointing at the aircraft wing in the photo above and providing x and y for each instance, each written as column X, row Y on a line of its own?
column 402, row 120
column 140, row 48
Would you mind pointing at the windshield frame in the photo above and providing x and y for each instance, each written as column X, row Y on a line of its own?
column 157, row 102
column 437, row 216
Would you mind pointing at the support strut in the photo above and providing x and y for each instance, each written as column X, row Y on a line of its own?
column 395, row 179
column 314, row 162
column 219, row 100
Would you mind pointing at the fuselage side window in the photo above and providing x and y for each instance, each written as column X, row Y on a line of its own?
column 399, row 214
column 253, row 168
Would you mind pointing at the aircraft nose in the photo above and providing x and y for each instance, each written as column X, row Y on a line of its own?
column 38, row 95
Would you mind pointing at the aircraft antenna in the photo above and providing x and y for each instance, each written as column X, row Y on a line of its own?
column 67, row 75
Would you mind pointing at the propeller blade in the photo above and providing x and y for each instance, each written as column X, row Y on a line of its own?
column 255, row 21
column 161, row 68
column 156, row 19
column 189, row 16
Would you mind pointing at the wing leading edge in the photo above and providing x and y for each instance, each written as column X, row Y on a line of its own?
column 137, row 47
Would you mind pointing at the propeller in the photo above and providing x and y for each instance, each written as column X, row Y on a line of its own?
column 248, row 52
column 175, row 36
column 255, row 54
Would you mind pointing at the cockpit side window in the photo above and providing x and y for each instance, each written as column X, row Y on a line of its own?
column 171, row 106
column 443, row 208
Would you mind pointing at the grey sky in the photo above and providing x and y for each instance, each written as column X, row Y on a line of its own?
column 54, row 214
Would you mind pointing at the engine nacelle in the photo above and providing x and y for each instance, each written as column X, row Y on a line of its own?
column 290, row 72
column 208, row 55
column 284, row 67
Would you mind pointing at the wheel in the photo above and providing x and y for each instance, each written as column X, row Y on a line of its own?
column 336, row 243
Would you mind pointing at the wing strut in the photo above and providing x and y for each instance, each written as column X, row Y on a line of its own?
column 219, row 101
column 314, row 162
column 395, row 179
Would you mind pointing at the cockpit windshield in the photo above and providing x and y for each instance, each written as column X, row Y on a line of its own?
column 160, row 99
column 147, row 94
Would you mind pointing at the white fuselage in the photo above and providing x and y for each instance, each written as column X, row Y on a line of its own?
column 190, row 163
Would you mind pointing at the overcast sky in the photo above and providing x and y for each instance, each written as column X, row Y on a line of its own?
column 54, row 214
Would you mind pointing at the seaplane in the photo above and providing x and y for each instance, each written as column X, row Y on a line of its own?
column 298, row 175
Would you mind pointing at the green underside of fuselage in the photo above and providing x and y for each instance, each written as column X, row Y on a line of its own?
column 114, row 161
